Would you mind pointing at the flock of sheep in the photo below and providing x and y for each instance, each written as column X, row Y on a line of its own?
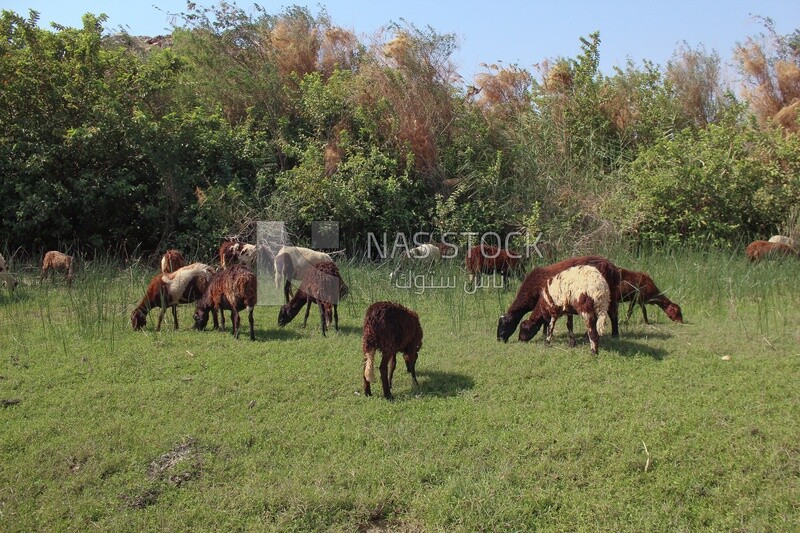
column 589, row 286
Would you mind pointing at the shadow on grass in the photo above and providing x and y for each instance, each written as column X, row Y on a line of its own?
column 629, row 348
column 645, row 334
column 443, row 384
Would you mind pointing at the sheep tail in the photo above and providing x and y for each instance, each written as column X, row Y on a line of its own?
column 601, row 322
column 369, row 366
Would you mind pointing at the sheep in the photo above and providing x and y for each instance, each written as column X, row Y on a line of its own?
column 172, row 261
column 577, row 290
column 428, row 251
column 234, row 288
column 638, row 287
column 226, row 249
column 780, row 239
column 5, row 275
column 486, row 259
column 528, row 294
column 56, row 261
column 322, row 284
column 185, row 285
column 293, row 262
column 758, row 250
column 390, row 328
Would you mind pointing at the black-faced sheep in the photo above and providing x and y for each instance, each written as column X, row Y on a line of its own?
column 56, row 261
column 758, row 250
column 293, row 262
column 424, row 254
column 390, row 328
column 486, row 259
column 185, row 285
column 5, row 275
column 639, row 288
column 577, row 290
column 171, row 261
column 529, row 292
column 321, row 284
column 234, row 288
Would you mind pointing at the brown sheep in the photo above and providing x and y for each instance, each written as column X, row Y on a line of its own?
column 639, row 288
column 322, row 284
column 486, row 259
column 758, row 250
column 226, row 250
column 56, row 261
column 185, row 285
column 172, row 261
column 234, row 288
column 577, row 290
column 390, row 328
column 528, row 294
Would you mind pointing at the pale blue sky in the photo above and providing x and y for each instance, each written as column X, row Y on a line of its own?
column 508, row 31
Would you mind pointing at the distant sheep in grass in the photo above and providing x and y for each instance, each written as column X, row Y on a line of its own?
column 487, row 259
column 577, row 290
column 322, row 285
column 781, row 239
column 639, row 288
column 758, row 250
column 185, row 285
column 56, row 261
column 390, row 328
column 427, row 253
column 5, row 275
column 293, row 262
column 172, row 261
column 531, row 289
column 234, row 288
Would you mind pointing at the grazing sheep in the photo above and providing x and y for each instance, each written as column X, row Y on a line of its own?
column 528, row 294
column 5, row 275
column 390, row 328
column 293, row 262
column 56, row 261
column 577, row 290
column 322, row 284
column 758, row 250
column 639, row 288
column 780, row 239
column 172, row 261
column 234, row 288
column 185, row 285
column 424, row 252
column 486, row 259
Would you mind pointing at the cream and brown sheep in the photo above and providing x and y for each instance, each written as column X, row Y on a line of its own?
column 185, row 285
column 293, row 262
column 171, row 261
column 758, row 250
column 390, row 328
column 581, row 290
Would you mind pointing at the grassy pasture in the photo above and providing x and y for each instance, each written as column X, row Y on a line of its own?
column 105, row 428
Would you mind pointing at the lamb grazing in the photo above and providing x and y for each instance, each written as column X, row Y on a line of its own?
column 758, row 250
column 427, row 252
column 235, row 289
column 486, row 259
column 185, row 285
column 172, row 261
column 56, row 261
column 577, row 290
column 5, row 275
column 390, row 328
column 322, row 284
column 638, row 287
column 781, row 239
column 293, row 262
column 529, row 292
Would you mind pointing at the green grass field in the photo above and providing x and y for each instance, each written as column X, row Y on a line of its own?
column 671, row 428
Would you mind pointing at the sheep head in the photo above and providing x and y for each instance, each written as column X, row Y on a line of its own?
column 673, row 311
column 138, row 319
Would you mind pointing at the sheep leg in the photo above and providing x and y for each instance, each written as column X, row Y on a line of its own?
column 336, row 316
column 322, row 316
column 550, row 329
column 287, row 291
column 308, row 310
column 160, row 318
column 215, row 318
column 236, row 321
column 590, row 319
column 630, row 309
column 369, row 371
column 392, row 365
column 570, row 331
column 221, row 319
column 411, row 363
column 644, row 313
column 175, row 315
column 614, row 316
column 250, row 320
column 385, row 381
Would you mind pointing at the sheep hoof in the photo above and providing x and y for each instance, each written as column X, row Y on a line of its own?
column 388, row 396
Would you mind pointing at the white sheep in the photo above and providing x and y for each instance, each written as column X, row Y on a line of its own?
column 5, row 275
column 429, row 253
column 292, row 262
column 780, row 239
column 577, row 290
